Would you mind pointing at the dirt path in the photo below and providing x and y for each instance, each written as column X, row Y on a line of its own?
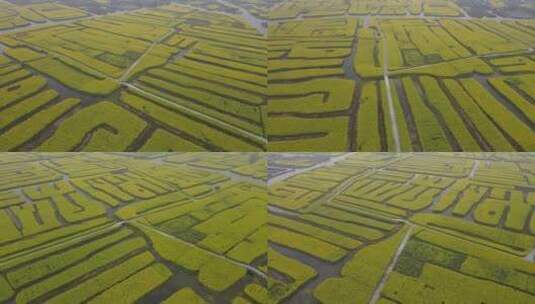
column 329, row 196
column 280, row 211
column 126, row 73
column 234, row 176
column 379, row 288
column 391, row 110
column 287, row 175
column 10, row 259
column 474, row 169
column 232, row 128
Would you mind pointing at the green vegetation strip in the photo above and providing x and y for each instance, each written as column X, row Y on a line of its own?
column 308, row 245
column 23, row 132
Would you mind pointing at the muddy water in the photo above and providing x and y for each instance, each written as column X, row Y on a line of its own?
column 258, row 23
column 237, row 177
column 331, row 161
column 347, row 64
column 66, row 92
column 531, row 256
column 38, row 24
column 182, row 278
column 325, row 270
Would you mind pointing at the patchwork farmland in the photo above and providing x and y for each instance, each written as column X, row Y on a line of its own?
column 246, row 75
column 167, row 78
column 402, row 228
column 132, row 228
column 197, row 228
column 400, row 75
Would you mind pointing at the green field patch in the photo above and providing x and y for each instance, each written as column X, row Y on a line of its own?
column 489, row 211
column 312, row 96
column 417, row 253
column 430, row 133
column 512, row 242
column 353, row 229
column 214, row 272
column 20, row 90
column 453, row 286
column 478, row 117
column 413, row 57
column 178, row 120
column 304, row 74
column 506, row 120
column 368, row 138
column 135, row 286
column 230, row 111
column 439, row 101
column 111, row 127
column 305, row 244
column 104, row 257
column 299, row 272
column 23, row 132
column 26, row 106
column 116, row 60
column 75, row 78
column 161, row 140
column 252, row 247
column 6, row 291
column 524, row 106
column 105, row 280
column 185, row 295
column 316, row 232
column 23, row 54
column 307, row 134
column 454, row 68
column 365, row 269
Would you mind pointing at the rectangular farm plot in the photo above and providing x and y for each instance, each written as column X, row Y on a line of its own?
column 14, row 15
column 93, row 227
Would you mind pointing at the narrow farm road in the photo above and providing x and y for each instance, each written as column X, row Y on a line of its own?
column 329, row 196
column 280, row 211
column 379, row 288
column 285, row 176
column 242, row 132
column 10, row 259
column 235, row 176
column 126, row 74
column 474, row 169
column 391, row 110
